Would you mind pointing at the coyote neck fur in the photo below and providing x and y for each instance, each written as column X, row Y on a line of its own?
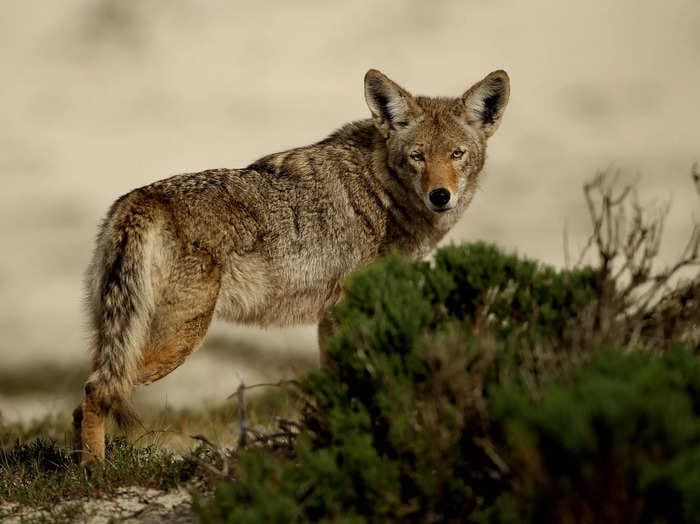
column 381, row 209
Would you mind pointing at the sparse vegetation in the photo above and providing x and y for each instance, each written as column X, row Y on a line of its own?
column 42, row 473
column 168, row 450
column 481, row 387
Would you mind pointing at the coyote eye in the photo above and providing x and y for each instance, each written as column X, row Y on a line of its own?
column 417, row 156
column 457, row 154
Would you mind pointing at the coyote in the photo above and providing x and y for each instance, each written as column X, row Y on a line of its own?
column 272, row 243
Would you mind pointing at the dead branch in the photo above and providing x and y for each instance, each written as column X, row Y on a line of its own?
column 289, row 426
column 243, row 436
column 278, row 384
column 627, row 238
column 224, row 471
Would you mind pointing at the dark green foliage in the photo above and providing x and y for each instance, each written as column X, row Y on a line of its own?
column 455, row 393
column 617, row 443
column 523, row 294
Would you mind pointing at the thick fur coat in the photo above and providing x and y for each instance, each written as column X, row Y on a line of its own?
column 272, row 243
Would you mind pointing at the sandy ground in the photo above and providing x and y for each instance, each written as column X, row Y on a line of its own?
column 100, row 97
column 130, row 505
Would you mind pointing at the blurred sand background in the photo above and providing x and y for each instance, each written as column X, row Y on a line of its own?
column 99, row 97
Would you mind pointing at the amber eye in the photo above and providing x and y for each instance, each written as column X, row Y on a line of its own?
column 457, row 154
column 417, row 156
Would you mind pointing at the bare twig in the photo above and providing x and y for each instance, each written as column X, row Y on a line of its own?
column 490, row 451
column 158, row 432
column 627, row 238
column 224, row 471
column 279, row 384
column 243, row 437
column 288, row 425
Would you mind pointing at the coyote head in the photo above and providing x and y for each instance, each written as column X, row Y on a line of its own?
column 437, row 145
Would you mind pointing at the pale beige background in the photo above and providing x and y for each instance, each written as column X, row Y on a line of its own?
column 99, row 97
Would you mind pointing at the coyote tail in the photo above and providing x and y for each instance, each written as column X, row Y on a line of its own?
column 122, row 305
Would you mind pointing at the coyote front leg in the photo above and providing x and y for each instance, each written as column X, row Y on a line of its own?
column 327, row 328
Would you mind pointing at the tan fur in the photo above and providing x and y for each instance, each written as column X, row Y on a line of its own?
column 441, row 174
column 272, row 244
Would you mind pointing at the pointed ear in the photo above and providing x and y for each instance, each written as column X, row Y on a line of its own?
column 392, row 107
column 485, row 102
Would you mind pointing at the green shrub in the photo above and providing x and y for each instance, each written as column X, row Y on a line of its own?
column 446, row 400
column 618, row 443
column 524, row 293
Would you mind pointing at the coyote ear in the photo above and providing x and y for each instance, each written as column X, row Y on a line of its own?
column 392, row 107
column 485, row 102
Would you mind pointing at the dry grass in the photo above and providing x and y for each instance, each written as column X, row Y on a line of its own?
column 171, row 448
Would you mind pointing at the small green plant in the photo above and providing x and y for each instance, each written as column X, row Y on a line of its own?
column 41, row 473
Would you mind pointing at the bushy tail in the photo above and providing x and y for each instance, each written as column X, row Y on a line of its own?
column 122, row 304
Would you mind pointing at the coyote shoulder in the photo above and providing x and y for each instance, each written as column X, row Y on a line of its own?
column 272, row 243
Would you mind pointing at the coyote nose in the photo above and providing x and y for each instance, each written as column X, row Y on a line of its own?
column 439, row 197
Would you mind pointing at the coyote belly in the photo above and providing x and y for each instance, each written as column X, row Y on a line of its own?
column 272, row 244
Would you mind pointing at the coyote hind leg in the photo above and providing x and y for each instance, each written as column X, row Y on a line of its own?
column 93, row 429
column 327, row 328
column 88, row 425
column 178, row 324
